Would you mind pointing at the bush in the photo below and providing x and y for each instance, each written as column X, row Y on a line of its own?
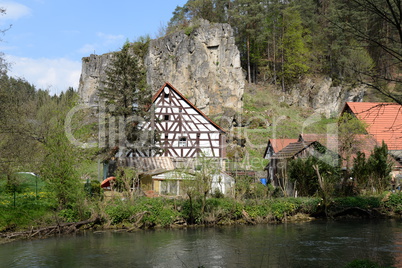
column 357, row 201
column 161, row 211
column 257, row 210
column 118, row 212
column 394, row 203
column 283, row 208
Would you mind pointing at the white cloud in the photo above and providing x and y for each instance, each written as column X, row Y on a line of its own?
column 14, row 10
column 107, row 43
column 109, row 38
column 87, row 49
column 55, row 75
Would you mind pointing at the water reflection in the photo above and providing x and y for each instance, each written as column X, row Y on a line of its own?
column 312, row 244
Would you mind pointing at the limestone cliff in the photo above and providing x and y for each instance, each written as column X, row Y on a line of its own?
column 323, row 95
column 203, row 65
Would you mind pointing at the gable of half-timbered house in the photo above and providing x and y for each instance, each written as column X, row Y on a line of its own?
column 185, row 131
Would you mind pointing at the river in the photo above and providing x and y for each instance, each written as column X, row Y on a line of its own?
column 307, row 244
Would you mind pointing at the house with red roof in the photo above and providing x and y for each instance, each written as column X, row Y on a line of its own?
column 277, row 166
column 383, row 122
column 275, row 145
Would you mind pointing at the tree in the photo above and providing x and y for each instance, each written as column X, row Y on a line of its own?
column 247, row 16
column 19, row 148
column 59, row 166
column 127, row 98
column 379, row 28
column 380, row 168
column 349, row 129
column 311, row 176
column 294, row 51
column 360, row 172
column 373, row 173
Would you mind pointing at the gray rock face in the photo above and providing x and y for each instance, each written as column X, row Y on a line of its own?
column 93, row 69
column 203, row 65
column 323, row 96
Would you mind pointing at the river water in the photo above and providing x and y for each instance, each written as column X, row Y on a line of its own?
column 307, row 244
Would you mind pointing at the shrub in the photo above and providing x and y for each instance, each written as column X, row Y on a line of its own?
column 357, row 201
column 283, row 208
column 394, row 203
column 118, row 212
column 160, row 211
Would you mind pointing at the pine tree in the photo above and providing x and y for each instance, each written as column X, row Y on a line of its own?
column 293, row 46
column 127, row 98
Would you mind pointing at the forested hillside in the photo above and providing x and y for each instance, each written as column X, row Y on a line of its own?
column 282, row 41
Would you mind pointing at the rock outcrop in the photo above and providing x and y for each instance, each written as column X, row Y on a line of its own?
column 323, row 96
column 93, row 69
column 203, row 65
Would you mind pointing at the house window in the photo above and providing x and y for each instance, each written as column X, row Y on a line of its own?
column 183, row 142
column 166, row 92
column 166, row 117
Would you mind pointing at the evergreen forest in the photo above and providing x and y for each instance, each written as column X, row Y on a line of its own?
column 283, row 40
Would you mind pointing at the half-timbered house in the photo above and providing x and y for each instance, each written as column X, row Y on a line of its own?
column 186, row 132
column 187, row 136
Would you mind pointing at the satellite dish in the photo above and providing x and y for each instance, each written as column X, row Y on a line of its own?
column 166, row 90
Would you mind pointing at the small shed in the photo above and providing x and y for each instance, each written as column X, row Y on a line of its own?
column 277, row 167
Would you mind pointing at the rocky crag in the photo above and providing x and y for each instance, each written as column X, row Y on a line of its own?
column 323, row 95
column 204, row 65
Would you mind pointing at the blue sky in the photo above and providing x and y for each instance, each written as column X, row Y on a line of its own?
column 48, row 38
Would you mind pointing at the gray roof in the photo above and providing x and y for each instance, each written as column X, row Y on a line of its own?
column 148, row 165
column 292, row 149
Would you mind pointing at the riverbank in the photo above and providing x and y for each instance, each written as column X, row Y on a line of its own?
column 148, row 213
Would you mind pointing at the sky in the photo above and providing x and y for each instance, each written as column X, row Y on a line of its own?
column 48, row 38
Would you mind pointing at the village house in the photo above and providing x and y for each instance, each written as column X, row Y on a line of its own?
column 384, row 124
column 187, row 136
column 277, row 167
column 273, row 147
column 383, row 121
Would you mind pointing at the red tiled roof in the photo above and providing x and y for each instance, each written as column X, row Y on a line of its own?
column 279, row 144
column 384, row 121
column 167, row 84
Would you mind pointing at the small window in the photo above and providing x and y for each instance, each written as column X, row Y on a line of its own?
column 166, row 117
column 166, row 92
column 183, row 142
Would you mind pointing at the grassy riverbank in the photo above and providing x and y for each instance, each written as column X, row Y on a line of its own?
column 34, row 212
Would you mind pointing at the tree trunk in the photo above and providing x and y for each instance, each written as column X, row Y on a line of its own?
column 248, row 60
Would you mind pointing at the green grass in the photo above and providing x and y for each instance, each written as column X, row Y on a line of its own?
column 266, row 117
